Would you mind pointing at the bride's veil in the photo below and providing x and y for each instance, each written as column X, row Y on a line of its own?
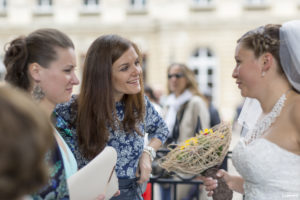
column 290, row 52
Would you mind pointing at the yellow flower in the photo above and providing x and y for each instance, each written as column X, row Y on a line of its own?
column 182, row 147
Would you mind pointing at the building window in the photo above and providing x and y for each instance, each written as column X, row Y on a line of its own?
column 202, row 5
column 138, row 4
column 256, row 4
column 3, row 8
column 204, row 64
column 90, row 7
column 3, row 5
column 202, row 2
column 44, row 7
column 45, row 4
column 137, row 7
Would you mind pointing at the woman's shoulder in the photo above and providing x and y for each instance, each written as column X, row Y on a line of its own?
column 197, row 101
column 68, row 110
column 68, row 104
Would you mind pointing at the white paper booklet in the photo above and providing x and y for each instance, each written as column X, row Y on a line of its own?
column 97, row 177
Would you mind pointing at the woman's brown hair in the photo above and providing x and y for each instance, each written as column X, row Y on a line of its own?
column 96, row 104
column 39, row 46
column 25, row 137
column 262, row 40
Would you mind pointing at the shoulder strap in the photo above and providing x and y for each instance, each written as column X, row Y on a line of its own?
column 179, row 117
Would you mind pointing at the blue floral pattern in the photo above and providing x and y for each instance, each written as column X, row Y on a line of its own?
column 57, row 184
column 129, row 147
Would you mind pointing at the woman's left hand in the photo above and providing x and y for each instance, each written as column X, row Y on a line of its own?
column 144, row 168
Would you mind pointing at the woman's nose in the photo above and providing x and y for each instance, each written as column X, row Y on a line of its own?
column 137, row 70
column 235, row 72
column 75, row 80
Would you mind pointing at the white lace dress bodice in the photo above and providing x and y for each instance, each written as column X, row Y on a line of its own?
column 269, row 171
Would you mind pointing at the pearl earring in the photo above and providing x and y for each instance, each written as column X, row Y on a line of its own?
column 263, row 74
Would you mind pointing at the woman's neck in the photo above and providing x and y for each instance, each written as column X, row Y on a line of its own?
column 47, row 106
column 271, row 95
column 177, row 94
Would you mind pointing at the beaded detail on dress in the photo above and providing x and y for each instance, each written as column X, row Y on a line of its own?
column 267, row 121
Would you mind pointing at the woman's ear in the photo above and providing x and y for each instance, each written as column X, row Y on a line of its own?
column 34, row 71
column 267, row 59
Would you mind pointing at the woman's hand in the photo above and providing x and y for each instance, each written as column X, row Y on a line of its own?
column 234, row 183
column 102, row 196
column 117, row 193
column 211, row 184
column 144, row 168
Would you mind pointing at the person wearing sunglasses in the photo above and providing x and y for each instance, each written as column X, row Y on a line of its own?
column 186, row 111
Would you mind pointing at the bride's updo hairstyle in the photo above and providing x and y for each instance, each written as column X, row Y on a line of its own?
column 39, row 47
column 262, row 40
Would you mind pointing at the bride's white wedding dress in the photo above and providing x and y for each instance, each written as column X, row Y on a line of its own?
column 269, row 171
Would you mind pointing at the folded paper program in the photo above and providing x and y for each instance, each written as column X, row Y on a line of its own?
column 98, row 177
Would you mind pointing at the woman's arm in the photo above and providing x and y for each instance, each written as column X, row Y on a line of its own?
column 157, row 131
column 145, row 162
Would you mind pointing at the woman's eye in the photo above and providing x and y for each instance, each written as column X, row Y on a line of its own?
column 124, row 68
column 137, row 62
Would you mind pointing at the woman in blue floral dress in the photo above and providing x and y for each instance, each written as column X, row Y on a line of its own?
column 111, row 109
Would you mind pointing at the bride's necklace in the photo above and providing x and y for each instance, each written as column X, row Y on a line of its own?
column 267, row 121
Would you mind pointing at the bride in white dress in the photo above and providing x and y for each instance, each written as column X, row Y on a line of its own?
column 268, row 156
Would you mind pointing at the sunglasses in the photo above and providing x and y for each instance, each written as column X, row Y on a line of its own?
column 175, row 75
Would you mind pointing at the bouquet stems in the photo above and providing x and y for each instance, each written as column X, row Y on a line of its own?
column 222, row 192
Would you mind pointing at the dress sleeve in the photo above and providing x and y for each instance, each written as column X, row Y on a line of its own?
column 154, row 124
column 66, row 111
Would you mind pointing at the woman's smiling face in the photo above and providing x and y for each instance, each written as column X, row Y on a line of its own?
column 126, row 72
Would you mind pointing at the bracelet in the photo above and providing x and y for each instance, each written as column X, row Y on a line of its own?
column 147, row 152
column 150, row 151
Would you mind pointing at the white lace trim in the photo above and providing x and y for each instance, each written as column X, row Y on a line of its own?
column 265, row 123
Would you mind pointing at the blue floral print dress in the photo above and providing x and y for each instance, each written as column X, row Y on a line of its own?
column 129, row 147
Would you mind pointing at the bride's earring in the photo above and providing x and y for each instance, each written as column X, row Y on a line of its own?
column 263, row 74
column 37, row 93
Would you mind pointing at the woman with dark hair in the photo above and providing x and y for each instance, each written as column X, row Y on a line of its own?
column 112, row 110
column 268, row 156
column 43, row 64
column 25, row 137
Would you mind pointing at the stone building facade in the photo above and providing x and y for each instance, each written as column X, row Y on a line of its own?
column 200, row 33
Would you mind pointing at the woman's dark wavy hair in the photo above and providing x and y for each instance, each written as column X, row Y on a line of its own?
column 96, row 104
column 39, row 47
